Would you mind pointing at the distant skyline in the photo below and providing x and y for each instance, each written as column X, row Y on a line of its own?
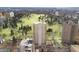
column 5, row 9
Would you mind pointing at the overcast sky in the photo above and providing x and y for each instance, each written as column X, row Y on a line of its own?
column 39, row 3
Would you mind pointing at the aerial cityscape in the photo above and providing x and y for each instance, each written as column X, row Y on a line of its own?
column 43, row 29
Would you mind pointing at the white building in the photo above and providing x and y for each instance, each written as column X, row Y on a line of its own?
column 26, row 45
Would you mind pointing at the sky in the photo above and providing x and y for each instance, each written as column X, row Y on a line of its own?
column 39, row 3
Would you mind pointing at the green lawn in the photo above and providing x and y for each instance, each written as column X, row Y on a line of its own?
column 25, row 21
column 57, row 28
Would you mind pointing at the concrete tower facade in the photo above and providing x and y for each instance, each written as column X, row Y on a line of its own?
column 67, row 33
column 39, row 35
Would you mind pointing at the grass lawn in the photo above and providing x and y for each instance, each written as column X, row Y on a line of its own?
column 57, row 28
column 5, row 33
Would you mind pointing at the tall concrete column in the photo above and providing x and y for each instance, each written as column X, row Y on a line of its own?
column 39, row 34
column 67, row 33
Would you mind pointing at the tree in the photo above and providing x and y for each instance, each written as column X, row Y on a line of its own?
column 12, row 32
column 14, row 41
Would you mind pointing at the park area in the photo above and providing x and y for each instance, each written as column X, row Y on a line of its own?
column 24, row 29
